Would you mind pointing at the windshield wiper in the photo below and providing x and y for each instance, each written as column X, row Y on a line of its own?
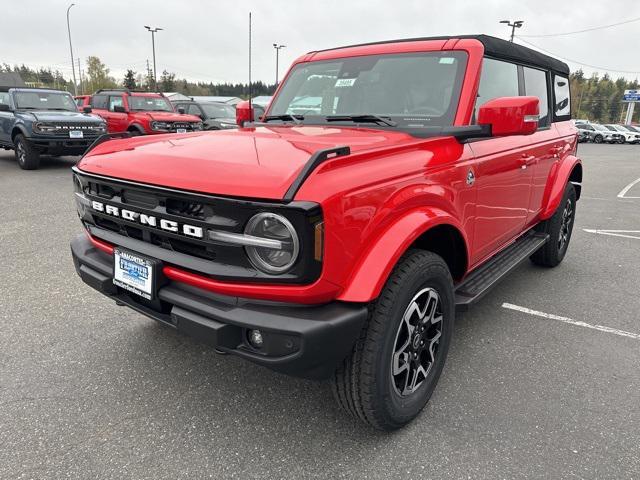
column 297, row 119
column 362, row 118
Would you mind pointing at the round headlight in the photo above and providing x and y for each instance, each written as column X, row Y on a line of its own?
column 283, row 254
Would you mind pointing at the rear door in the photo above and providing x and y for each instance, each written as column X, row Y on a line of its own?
column 119, row 120
column 99, row 105
column 501, row 172
column 546, row 144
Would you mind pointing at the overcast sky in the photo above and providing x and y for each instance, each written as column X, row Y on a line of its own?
column 207, row 40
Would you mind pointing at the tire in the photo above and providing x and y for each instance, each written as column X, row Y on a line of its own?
column 621, row 141
column 559, row 227
column 365, row 384
column 27, row 157
column 597, row 139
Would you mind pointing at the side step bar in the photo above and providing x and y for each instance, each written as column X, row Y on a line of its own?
column 481, row 280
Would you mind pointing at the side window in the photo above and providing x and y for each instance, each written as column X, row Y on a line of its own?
column 498, row 79
column 561, row 101
column 4, row 98
column 194, row 110
column 535, row 85
column 115, row 101
column 99, row 101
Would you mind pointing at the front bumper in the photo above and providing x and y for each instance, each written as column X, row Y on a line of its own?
column 304, row 341
column 61, row 146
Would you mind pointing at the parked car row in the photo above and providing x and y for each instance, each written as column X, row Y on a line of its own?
column 608, row 133
column 35, row 121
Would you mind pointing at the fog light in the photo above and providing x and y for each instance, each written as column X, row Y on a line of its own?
column 255, row 338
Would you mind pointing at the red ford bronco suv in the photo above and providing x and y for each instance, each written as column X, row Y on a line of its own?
column 338, row 240
column 140, row 113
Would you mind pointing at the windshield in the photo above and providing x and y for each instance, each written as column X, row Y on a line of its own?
column 412, row 90
column 218, row 110
column 149, row 104
column 600, row 128
column 610, row 127
column 45, row 101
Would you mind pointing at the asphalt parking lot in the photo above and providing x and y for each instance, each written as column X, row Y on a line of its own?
column 91, row 390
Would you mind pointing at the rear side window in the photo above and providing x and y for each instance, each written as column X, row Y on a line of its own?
column 498, row 79
column 535, row 85
column 561, row 99
column 4, row 98
column 99, row 101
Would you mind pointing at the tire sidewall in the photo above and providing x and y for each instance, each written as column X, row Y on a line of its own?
column 399, row 409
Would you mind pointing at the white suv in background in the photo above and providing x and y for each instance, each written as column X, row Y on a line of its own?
column 629, row 136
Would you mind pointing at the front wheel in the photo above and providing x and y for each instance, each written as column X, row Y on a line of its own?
column 27, row 157
column 621, row 141
column 559, row 227
column 397, row 361
column 597, row 139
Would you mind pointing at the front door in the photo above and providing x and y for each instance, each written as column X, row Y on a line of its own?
column 502, row 170
column 503, row 175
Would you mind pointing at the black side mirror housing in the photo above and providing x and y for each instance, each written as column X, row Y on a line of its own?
column 181, row 110
column 87, row 109
column 119, row 109
column 4, row 107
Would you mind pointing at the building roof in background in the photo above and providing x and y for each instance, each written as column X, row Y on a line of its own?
column 176, row 96
column 208, row 98
column 262, row 100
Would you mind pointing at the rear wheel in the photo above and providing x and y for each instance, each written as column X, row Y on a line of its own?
column 559, row 227
column 27, row 157
column 396, row 363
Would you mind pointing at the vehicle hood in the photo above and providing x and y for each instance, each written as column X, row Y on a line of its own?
column 59, row 116
column 169, row 116
column 259, row 162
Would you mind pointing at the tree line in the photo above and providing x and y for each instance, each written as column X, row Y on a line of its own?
column 97, row 75
column 596, row 98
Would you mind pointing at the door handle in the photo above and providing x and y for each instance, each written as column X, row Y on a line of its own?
column 527, row 160
column 555, row 151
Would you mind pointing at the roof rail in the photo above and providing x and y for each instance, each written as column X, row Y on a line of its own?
column 103, row 90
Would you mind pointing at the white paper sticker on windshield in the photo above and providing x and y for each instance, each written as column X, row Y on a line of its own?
column 345, row 82
column 447, row 60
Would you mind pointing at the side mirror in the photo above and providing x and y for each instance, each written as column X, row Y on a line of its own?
column 244, row 113
column 119, row 109
column 510, row 115
column 87, row 109
column 181, row 110
column 4, row 107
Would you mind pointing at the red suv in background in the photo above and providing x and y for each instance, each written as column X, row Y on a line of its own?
column 138, row 112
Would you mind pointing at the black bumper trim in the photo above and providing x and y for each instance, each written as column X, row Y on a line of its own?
column 304, row 341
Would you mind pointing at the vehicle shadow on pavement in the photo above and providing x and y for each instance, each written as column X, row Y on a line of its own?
column 47, row 162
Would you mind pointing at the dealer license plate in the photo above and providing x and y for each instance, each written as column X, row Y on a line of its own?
column 76, row 134
column 133, row 273
column 181, row 130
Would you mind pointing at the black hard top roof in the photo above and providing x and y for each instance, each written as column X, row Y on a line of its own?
column 493, row 47
column 45, row 89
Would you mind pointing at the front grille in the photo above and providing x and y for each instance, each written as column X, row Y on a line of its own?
column 228, row 261
column 87, row 129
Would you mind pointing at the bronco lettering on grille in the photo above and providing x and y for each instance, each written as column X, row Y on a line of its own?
column 150, row 220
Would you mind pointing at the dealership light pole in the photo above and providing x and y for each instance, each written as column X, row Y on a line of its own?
column 153, row 46
column 73, row 68
column 513, row 25
column 277, row 47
